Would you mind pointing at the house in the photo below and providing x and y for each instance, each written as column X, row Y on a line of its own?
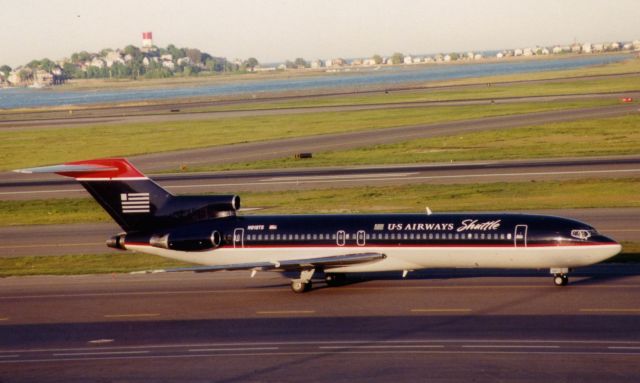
column 586, row 48
column 97, row 62
column 113, row 57
column 446, row 58
column 597, row 47
column 614, row 47
column 42, row 78
column 518, row 52
column 187, row 61
column 556, row 50
column 545, row 51
column 408, row 59
column 317, row 63
column 499, row 55
column 477, row 56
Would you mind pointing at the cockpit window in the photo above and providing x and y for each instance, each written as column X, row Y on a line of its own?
column 583, row 234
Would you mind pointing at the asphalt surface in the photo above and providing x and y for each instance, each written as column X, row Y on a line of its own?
column 621, row 224
column 437, row 326
column 41, row 186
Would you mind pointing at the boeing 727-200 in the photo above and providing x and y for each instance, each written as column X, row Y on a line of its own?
column 209, row 231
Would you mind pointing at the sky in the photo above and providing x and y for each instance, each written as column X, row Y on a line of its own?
column 277, row 30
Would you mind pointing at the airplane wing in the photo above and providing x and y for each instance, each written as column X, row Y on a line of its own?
column 290, row 264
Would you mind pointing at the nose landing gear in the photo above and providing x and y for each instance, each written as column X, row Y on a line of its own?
column 560, row 277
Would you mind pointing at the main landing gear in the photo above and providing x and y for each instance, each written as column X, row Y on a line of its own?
column 303, row 284
column 560, row 277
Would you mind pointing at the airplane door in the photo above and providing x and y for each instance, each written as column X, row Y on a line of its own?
column 520, row 236
column 341, row 238
column 361, row 238
column 238, row 237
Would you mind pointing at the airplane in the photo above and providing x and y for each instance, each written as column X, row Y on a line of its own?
column 211, row 231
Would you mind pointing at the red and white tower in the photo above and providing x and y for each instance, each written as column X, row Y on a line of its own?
column 147, row 39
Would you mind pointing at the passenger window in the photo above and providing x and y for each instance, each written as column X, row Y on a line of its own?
column 509, row 236
column 501, row 236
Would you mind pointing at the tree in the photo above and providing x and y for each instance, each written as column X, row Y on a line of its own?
column 80, row 57
column 377, row 59
column 194, row 55
column 454, row 56
column 397, row 58
column 251, row 62
column 47, row 65
column 5, row 69
column 175, row 52
column 301, row 63
column 133, row 51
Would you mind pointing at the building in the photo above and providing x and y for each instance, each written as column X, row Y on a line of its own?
column 586, row 48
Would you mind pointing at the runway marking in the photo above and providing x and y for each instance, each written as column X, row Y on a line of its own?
column 234, row 349
column 381, row 347
column 286, row 312
column 10, row 356
column 336, row 177
column 319, row 352
column 284, row 291
column 3, row 319
column 43, row 191
column 102, row 353
column 100, row 341
column 131, row 315
column 48, row 245
column 611, row 310
column 372, row 179
column 440, row 310
column 623, row 348
column 506, row 346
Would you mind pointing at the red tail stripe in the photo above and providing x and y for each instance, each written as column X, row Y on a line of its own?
column 124, row 169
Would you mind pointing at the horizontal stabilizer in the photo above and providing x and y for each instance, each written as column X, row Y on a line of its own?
column 104, row 168
column 68, row 169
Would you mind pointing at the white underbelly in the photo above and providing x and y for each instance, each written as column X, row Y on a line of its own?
column 406, row 257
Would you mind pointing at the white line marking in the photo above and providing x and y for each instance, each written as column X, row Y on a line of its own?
column 9, row 356
column 303, row 180
column 623, row 348
column 285, row 312
column 100, row 341
column 380, row 347
column 611, row 310
column 298, row 353
column 234, row 349
column 336, row 177
column 102, row 353
column 131, row 315
column 463, row 176
column 506, row 346
column 440, row 310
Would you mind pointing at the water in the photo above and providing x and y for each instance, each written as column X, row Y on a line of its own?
column 392, row 76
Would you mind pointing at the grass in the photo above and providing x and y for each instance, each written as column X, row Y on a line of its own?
column 130, row 262
column 588, row 193
column 47, row 146
column 479, row 92
column 84, row 264
column 597, row 137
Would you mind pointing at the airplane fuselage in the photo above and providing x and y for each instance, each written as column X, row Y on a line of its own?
column 409, row 241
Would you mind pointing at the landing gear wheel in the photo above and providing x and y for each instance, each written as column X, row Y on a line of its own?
column 300, row 286
column 560, row 280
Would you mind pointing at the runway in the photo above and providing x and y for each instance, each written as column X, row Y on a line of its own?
column 39, row 186
column 89, row 238
column 443, row 325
